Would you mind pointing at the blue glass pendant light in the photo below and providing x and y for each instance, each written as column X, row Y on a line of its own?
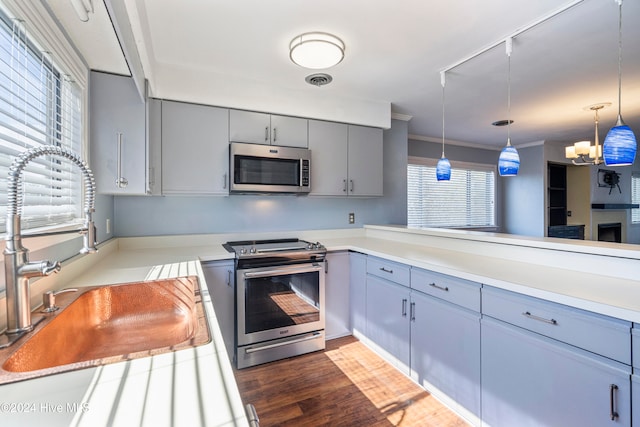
column 620, row 146
column 443, row 168
column 509, row 160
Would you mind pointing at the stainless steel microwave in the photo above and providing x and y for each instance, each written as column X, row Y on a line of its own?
column 256, row 168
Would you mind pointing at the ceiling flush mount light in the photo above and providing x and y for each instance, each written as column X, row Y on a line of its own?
column 619, row 148
column 509, row 160
column 582, row 152
column 316, row 50
column 443, row 168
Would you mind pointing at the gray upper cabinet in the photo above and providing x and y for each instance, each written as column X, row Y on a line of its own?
column 365, row 161
column 119, row 145
column 346, row 160
column 195, row 149
column 270, row 129
column 328, row 144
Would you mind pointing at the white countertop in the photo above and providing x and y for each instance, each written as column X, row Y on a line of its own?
column 192, row 387
column 197, row 387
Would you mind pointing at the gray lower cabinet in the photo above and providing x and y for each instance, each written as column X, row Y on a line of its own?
column 337, row 295
column 195, row 149
column 635, row 378
column 445, row 352
column 221, row 285
column 388, row 327
column 531, row 380
column 358, row 293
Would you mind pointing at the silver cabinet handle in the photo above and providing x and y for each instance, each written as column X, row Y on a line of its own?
column 612, row 410
column 540, row 319
column 275, row 134
column 344, row 185
column 404, row 307
column 386, row 271
column 442, row 288
column 266, row 134
column 229, row 275
column 121, row 182
column 412, row 311
column 351, row 182
column 224, row 181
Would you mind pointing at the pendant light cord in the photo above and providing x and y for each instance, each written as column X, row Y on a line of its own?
column 442, row 81
column 509, row 47
column 619, row 58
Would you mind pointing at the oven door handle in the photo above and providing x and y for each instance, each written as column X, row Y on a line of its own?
column 282, row 271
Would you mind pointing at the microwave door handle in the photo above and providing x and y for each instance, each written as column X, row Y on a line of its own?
column 300, row 163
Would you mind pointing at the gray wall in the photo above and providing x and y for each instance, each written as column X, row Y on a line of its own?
column 524, row 195
column 146, row 216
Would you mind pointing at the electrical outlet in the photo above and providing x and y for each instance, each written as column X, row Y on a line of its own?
column 107, row 228
column 352, row 218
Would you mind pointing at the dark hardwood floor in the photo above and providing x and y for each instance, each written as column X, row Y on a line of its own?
column 344, row 385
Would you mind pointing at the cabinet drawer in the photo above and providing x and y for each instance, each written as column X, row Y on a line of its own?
column 393, row 271
column 597, row 333
column 457, row 291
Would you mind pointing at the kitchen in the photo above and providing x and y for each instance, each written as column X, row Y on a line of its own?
column 189, row 211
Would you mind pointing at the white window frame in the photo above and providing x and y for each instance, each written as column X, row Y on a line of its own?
column 45, row 33
column 424, row 161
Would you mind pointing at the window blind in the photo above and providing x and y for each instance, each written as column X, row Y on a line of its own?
column 39, row 105
column 635, row 197
column 466, row 200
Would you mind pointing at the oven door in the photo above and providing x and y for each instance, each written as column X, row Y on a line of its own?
column 280, row 301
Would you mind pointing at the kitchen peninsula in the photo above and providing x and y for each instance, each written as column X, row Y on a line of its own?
column 197, row 386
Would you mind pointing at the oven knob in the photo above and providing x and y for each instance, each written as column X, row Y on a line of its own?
column 252, row 250
column 309, row 246
column 243, row 251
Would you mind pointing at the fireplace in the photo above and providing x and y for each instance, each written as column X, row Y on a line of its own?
column 610, row 232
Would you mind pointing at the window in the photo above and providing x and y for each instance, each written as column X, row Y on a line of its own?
column 467, row 200
column 39, row 105
column 635, row 197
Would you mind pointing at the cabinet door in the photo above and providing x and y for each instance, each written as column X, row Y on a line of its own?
column 337, row 295
column 154, row 137
column 365, row 161
column 195, row 149
column 358, row 293
column 118, row 139
column 635, row 404
column 530, row 380
column 328, row 145
column 249, row 126
column 289, row 131
column 445, row 352
column 220, row 282
column 388, row 320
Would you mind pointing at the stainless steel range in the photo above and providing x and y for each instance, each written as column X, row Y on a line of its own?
column 279, row 299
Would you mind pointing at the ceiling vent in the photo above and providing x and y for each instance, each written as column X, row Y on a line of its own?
column 318, row 79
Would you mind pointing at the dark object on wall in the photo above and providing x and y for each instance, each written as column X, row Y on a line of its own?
column 607, row 178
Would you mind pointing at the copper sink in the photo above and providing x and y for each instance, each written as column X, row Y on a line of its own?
column 109, row 324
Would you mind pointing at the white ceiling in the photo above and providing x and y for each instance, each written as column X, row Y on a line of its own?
column 235, row 53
